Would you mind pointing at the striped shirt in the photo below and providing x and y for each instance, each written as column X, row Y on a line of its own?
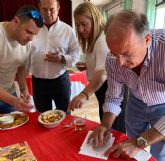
column 149, row 86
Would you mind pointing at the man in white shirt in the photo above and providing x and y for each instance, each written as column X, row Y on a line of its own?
column 54, row 50
column 14, row 50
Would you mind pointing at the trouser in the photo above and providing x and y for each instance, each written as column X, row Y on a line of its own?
column 119, row 123
column 139, row 117
column 46, row 90
column 6, row 108
column 100, row 95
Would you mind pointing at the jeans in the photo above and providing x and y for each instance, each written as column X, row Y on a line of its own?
column 6, row 108
column 140, row 117
column 46, row 90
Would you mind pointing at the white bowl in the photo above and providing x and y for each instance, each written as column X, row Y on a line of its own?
column 51, row 118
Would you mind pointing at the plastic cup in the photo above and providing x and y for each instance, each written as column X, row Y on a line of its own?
column 79, row 123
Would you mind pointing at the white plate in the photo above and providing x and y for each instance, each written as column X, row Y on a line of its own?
column 17, row 125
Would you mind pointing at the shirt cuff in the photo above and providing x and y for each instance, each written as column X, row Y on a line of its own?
column 160, row 126
column 110, row 107
column 70, row 61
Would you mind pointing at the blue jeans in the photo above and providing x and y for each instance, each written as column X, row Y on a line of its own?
column 6, row 108
column 140, row 117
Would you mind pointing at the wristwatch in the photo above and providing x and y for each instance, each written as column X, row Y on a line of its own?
column 141, row 142
column 63, row 60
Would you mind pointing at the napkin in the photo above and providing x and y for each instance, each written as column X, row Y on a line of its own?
column 98, row 152
column 142, row 156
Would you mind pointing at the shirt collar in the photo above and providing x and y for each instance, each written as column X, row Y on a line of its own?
column 54, row 24
column 149, row 54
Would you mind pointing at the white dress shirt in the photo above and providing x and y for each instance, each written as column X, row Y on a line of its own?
column 59, row 37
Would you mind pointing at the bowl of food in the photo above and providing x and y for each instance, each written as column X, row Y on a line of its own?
column 51, row 118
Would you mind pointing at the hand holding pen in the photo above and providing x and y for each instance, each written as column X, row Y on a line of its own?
column 100, row 136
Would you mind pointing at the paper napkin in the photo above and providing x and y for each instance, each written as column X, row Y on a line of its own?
column 87, row 149
column 142, row 156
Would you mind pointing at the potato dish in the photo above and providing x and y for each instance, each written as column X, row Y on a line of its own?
column 52, row 117
column 19, row 119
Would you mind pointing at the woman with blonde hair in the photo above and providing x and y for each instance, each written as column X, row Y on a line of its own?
column 90, row 26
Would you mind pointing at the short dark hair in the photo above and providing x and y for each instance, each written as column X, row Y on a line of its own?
column 28, row 12
column 137, row 20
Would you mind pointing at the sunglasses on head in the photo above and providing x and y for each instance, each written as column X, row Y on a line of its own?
column 33, row 14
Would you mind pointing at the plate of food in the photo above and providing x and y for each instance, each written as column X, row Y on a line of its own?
column 12, row 120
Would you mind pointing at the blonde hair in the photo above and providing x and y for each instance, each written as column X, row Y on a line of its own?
column 88, row 10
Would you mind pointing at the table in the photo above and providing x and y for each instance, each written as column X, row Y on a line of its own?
column 78, row 82
column 57, row 144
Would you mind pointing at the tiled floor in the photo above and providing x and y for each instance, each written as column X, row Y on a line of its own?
column 90, row 109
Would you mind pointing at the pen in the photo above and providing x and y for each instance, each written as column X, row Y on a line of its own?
column 108, row 131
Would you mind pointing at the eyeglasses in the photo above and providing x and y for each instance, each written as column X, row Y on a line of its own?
column 125, row 56
column 34, row 15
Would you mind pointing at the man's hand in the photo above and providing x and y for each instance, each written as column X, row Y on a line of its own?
column 99, row 137
column 25, row 95
column 54, row 57
column 126, row 149
column 22, row 105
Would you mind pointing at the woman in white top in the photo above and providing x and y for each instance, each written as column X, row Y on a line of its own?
column 90, row 31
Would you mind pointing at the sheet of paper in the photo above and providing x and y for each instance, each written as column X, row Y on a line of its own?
column 142, row 156
column 87, row 149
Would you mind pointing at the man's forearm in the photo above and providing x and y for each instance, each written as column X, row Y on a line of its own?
column 20, row 77
column 7, row 97
column 152, row 136
column 108, row 119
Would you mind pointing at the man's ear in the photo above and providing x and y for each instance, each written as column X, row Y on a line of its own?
column 16, row 20
column 148, row 39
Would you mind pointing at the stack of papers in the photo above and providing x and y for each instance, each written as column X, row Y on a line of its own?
column 98, row 152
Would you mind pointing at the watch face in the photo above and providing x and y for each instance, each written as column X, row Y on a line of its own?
column 141, row 142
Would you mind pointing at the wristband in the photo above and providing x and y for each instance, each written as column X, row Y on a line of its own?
column 85, row 94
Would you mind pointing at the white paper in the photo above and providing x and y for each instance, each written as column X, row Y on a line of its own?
column 87, row 149
column 142, row 156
